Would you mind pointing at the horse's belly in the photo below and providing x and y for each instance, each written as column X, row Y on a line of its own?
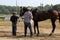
column 43, row 17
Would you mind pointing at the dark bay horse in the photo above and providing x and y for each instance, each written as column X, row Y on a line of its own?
column 41, row 16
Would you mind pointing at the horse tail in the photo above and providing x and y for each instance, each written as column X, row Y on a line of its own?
column 59, row 17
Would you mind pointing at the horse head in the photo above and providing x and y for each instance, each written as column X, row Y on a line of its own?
column 22, row 11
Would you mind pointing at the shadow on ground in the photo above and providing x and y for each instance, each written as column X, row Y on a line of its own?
column 20, row 35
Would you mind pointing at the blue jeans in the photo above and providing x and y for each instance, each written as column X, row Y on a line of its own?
column 14, row 28
column 25, row 28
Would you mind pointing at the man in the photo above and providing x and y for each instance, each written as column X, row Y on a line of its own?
column 27, row 18
column 14, row 19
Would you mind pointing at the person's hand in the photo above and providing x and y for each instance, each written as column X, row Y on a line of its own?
column 20, row 19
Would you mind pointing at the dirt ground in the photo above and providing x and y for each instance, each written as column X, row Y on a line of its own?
column 45, row 28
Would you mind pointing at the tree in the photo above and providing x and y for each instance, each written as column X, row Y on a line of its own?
column 57, row 7
column 47, row 7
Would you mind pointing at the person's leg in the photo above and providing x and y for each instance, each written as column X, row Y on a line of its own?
column 30, row 27
column 25, row 29
column 14, row 29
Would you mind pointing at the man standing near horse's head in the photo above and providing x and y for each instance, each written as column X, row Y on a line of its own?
column 27, row 18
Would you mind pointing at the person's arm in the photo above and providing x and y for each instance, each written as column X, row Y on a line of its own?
column 31, row 16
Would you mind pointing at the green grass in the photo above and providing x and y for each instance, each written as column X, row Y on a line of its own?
column 1, row 19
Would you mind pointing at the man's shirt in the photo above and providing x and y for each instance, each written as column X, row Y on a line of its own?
column 14, row 19
column 28, row 16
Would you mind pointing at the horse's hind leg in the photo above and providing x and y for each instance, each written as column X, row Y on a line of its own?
column 53, row 25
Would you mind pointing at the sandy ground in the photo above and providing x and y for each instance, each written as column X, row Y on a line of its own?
column 44, row 28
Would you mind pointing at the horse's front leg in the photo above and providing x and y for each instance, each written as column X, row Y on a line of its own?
column 36, row 27
column 53, row 25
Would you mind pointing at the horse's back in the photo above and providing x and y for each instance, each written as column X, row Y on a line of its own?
column 42, row 15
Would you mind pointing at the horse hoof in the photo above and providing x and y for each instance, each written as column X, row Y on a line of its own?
column 38, row 34
column 50, row 34
column 34, row 33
